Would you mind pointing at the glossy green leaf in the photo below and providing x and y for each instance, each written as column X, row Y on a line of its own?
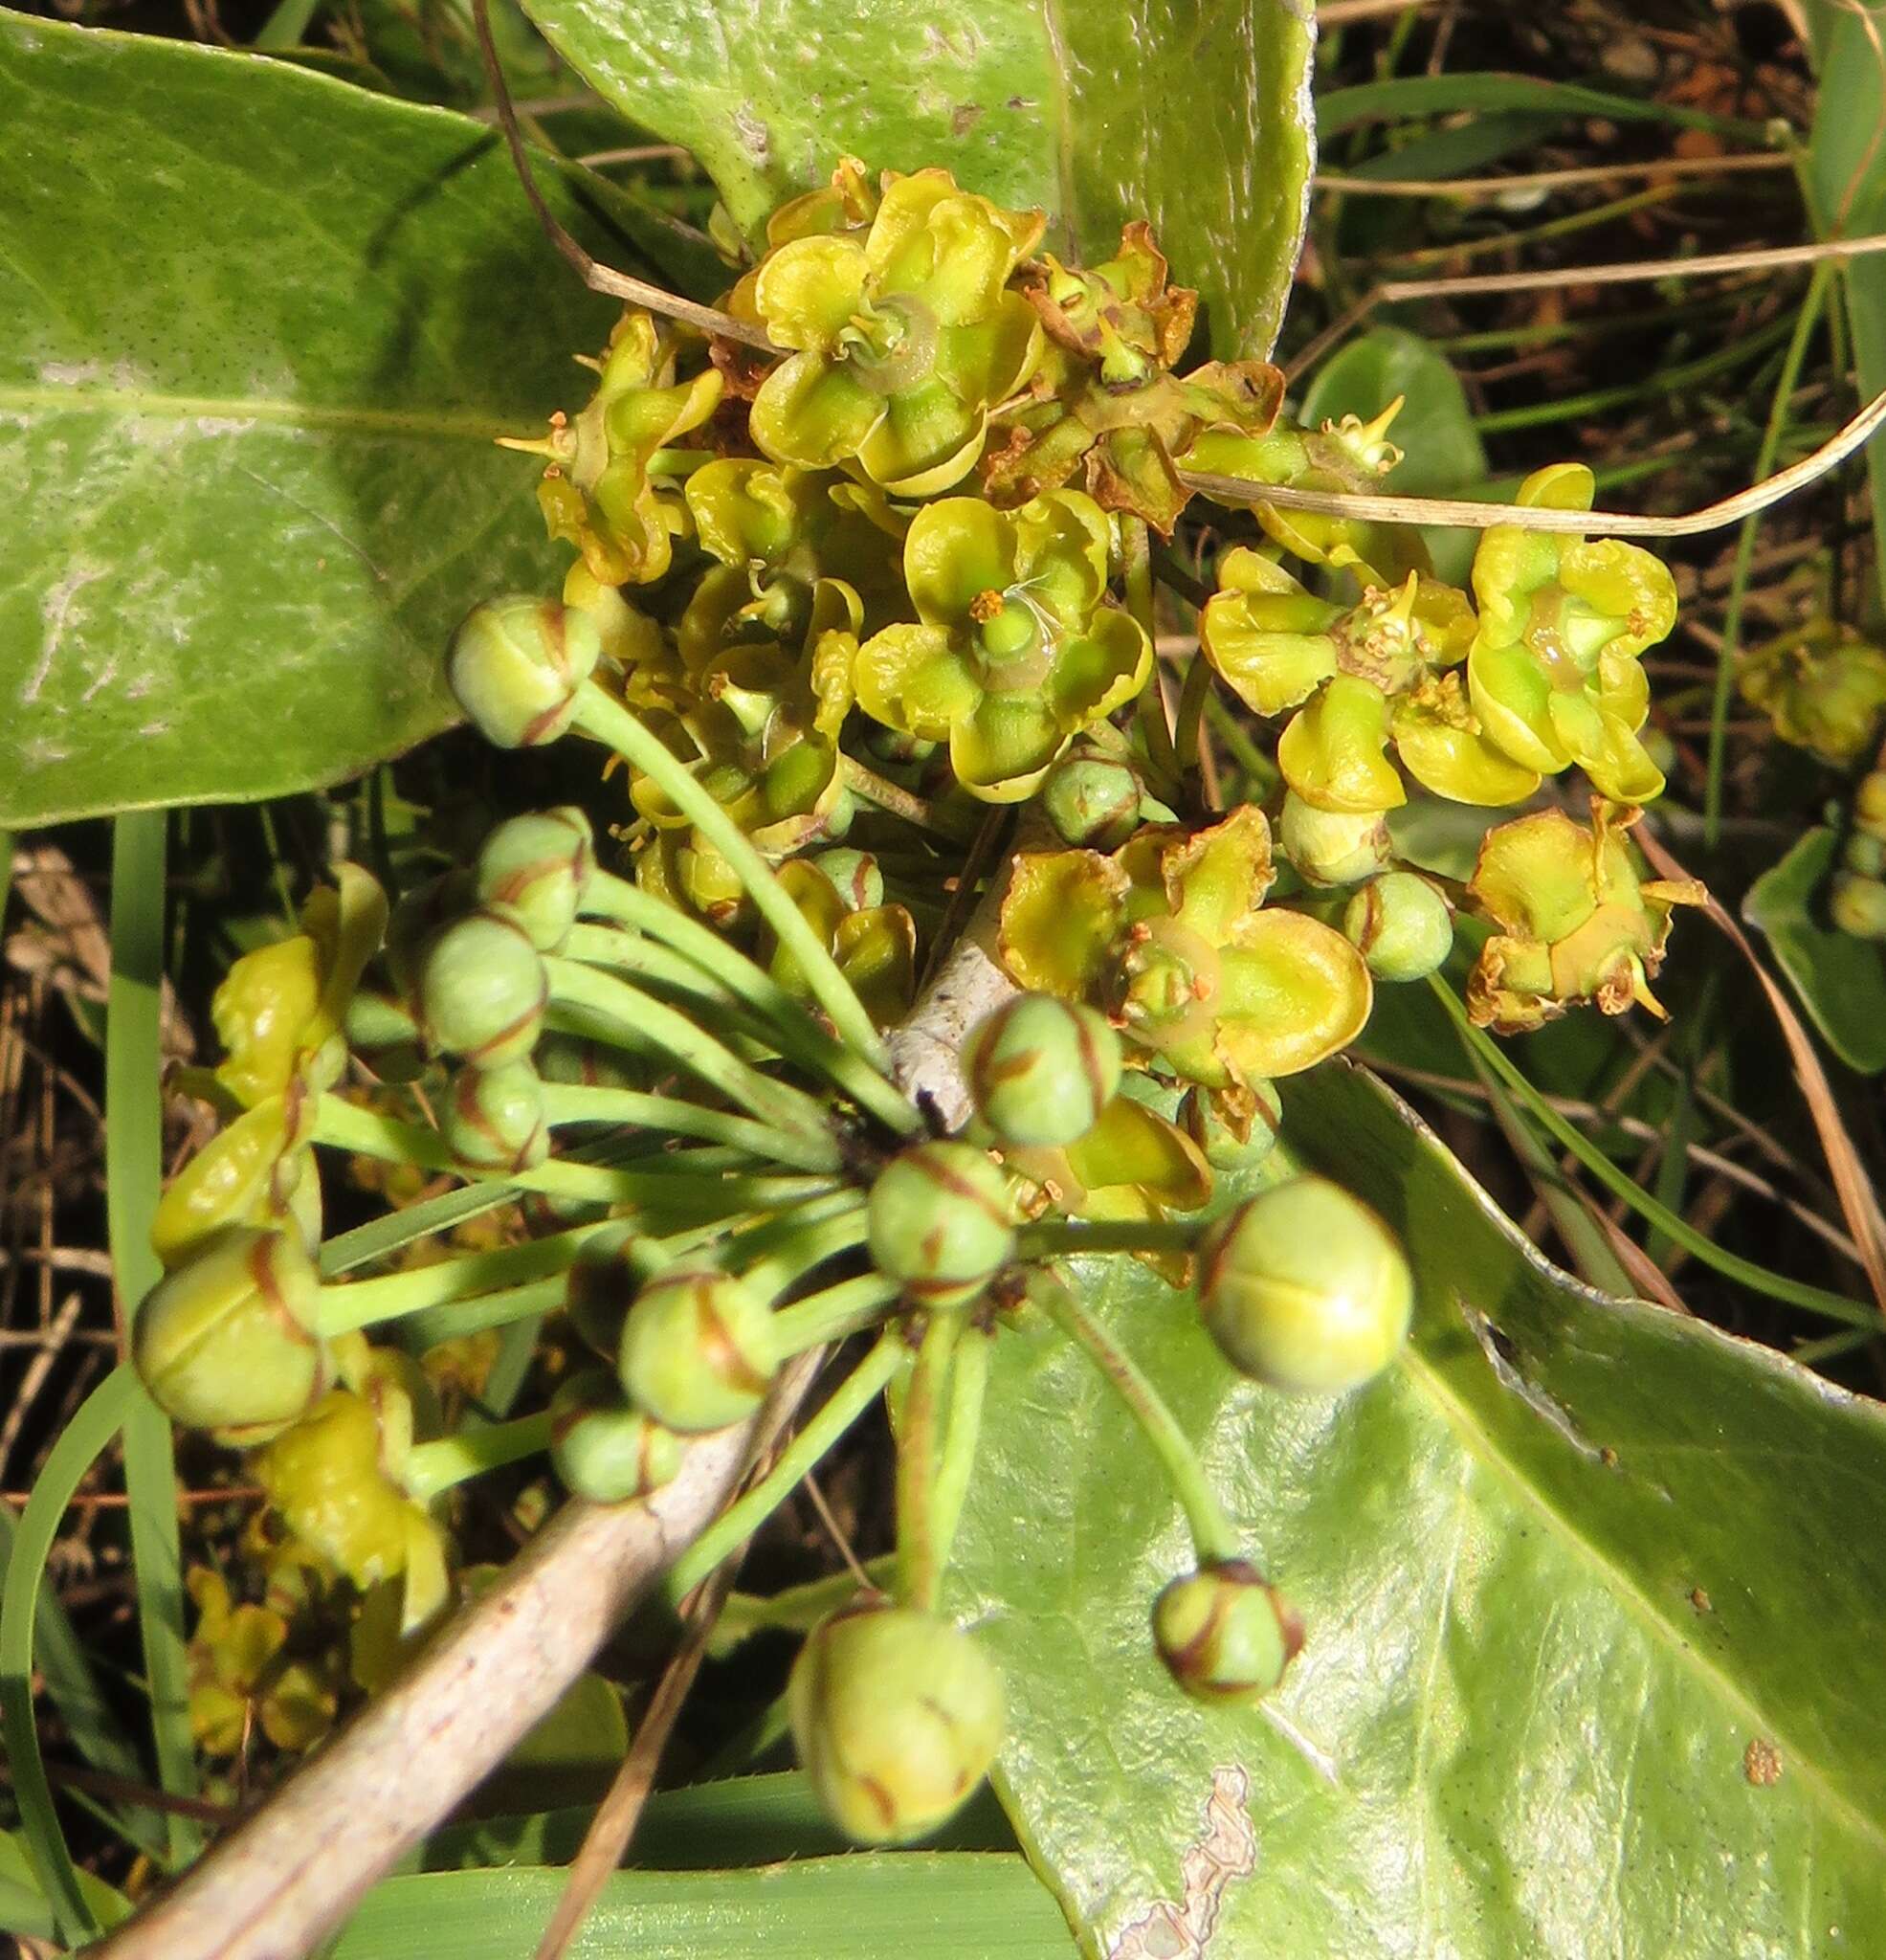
column 1191, row 113
column 1592, row 1662
column 1441, row 451
column 1840, row 980
column 917, row 1906
column 257, row 332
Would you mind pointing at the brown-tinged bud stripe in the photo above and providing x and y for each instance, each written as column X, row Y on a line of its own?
column 268, row 1289
column 723, row 1354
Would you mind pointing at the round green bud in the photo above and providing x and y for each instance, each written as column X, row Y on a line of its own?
column 897, row 1716
column 540, row 865
column 1857, row 905
column 939, row 1221
column 1224, row 1633
column 1401, row 925
column 1041, row 1070
column 603, row 1449
column 854, row 876
column 1303, row 1287
column 414, row 922
column 1235, row 1129
column 226, row 1340
column 482, row 989
column 699, row 1350
column 515, row 667
column 1093, row 801
column 495, row 1118
column 1869, row 803
column 1333, row 846
column 1864, row 854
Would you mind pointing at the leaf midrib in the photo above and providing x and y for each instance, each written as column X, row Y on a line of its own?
column 442, row 426
column 1477, row 1441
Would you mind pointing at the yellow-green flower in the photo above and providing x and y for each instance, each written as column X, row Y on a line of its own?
column 1015, row 648
column 1134, row 1165
column 1348, row 455
column 1822, row 690
column 1576, row 921
column 904, row 336
column 785, row 540
column 597, row 492
column 334, row 1480
column 1103, row 398
column 1553, row 673
column 1360, row 676
column 1169, row 937
column 874, row 946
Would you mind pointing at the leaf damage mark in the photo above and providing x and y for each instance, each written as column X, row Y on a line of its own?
column 1761, row 1762
column 55, row 608
column 1226, row 1851
column 1504, row 1359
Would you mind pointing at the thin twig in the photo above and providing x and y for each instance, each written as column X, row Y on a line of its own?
column 1622, row 273
column 1478, row 187
column 289, row 1875
column 616, row 1816
column 1615, row 523
column 597, row 277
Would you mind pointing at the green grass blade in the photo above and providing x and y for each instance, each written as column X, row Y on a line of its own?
column 1449, row 94
column 84, row 1440
column 134, row 1178
column 74, row 1690
column 917, row 1904
column 1744, row 1272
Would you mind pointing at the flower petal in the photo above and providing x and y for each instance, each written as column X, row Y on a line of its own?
column 813, row 411
column 808, row 291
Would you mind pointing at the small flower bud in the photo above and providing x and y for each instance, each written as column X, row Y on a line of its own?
column 495, row 1118
column 482, row 989
column 939, row 1221
column 1236, row 1128
column 414, row 922
column 1041, row 1070
column 227, row 1340
column 1857, row 905
column 1401, row 925
column 1331, row 846
column 1303, row 1287
column 1864, row 854
column 697, row 1350
column 897, row 1716
column 854, row 877
column 540, row 865
column 515, row 665
column 603, row 1449
column 1224, row 1633
column 1869, row 803
column 1093, row 801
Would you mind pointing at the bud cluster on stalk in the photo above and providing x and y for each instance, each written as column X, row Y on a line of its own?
column 830, row 619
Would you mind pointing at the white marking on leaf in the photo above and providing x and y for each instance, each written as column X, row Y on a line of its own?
column 1225, row 1850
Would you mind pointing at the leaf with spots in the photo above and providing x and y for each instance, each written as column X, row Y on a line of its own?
column 257, row 330
column 1591, row 1590
column 1194, row 114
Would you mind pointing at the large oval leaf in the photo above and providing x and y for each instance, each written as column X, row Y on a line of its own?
column 257, row 330
column 1592, row 1594
column 1840, row 980
column 1191, row 113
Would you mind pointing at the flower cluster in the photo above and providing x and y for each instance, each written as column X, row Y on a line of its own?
column 869, row 633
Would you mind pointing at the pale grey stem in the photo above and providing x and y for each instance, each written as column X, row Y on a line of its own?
column 287, row 1878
